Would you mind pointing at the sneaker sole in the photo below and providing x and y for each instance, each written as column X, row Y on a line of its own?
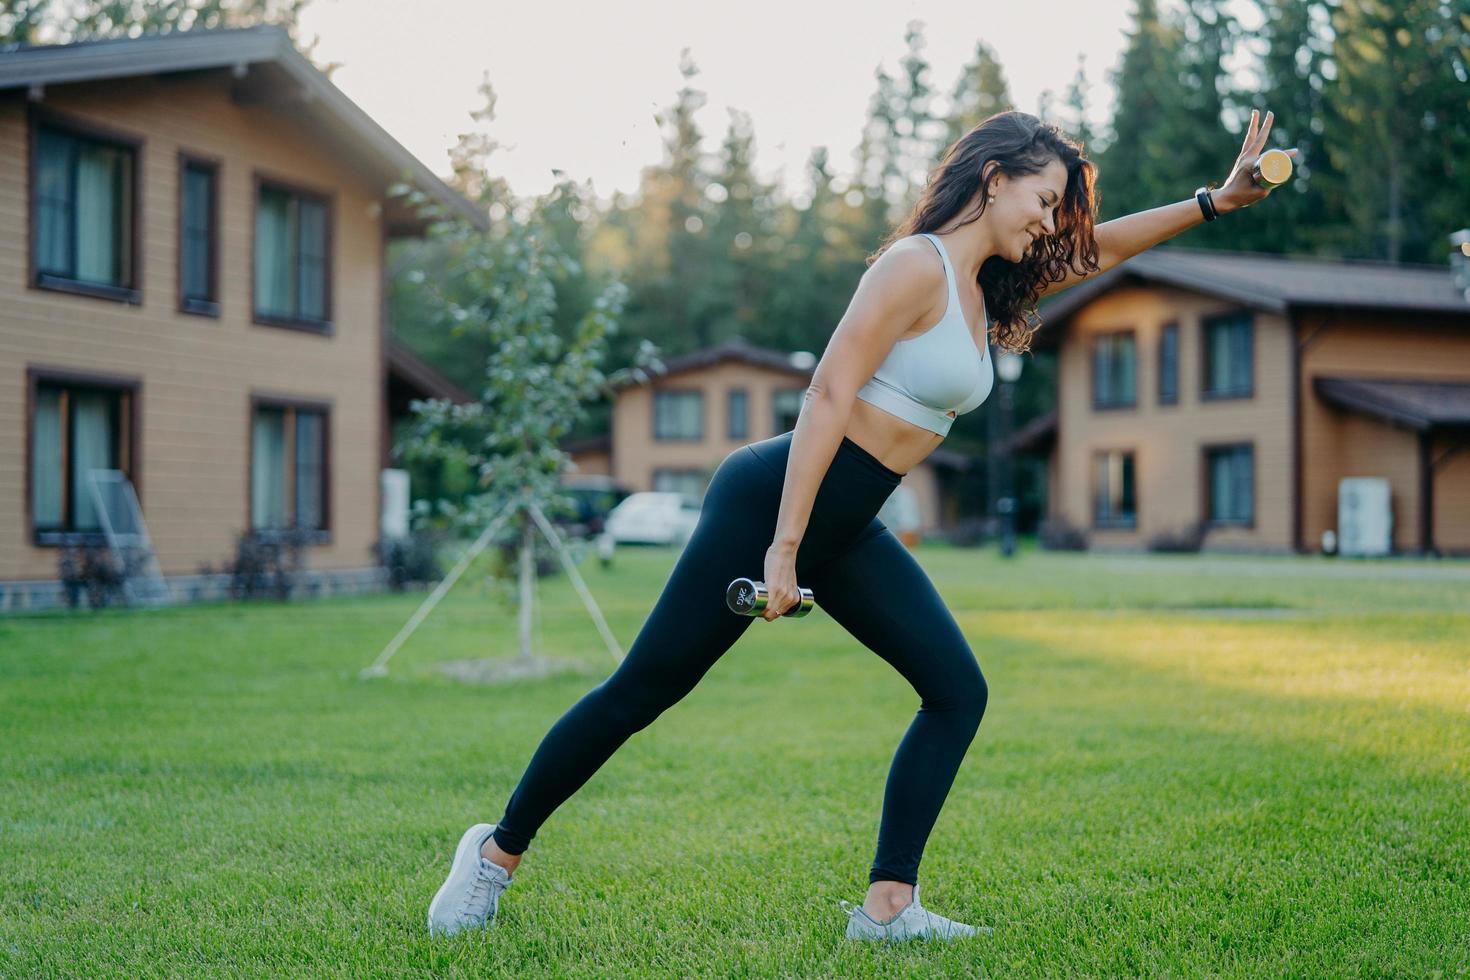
column 466, row 857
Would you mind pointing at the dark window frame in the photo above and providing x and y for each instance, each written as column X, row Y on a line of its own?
column 210, row 306
column 132, row 414
column 1111, row 524
column 38, row 117
column 1169, row 329
column 653, row 419
column 1206, row 516
column 1213, row 395
column 328, row 199
column 1100, row 406
column 730, row 432
column 323, row 534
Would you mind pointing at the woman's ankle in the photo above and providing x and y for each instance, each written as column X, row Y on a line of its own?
column 491, row 852
column 885, row 899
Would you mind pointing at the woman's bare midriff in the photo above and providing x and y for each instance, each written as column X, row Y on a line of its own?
column 894, row 442
column 897, row 443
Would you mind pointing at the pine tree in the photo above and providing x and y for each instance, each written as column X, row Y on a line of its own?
column 979, row 93
column 1396, row 122
column 1076, row 123
column 1139, row 160
column 740, row 239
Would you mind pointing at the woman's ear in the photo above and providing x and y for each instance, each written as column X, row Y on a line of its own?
column 991, row 179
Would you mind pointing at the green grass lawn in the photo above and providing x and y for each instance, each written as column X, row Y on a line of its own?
column 1190, row 766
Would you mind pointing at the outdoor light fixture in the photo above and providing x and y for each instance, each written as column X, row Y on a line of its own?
column 1008, row 365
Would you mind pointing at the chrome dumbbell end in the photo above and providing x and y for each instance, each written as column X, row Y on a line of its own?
column 1272, row 169
column 747, row 597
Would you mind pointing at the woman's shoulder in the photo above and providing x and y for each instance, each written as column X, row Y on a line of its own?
column 911, row 258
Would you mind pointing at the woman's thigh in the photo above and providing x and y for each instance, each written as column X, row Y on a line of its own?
column 878, row 592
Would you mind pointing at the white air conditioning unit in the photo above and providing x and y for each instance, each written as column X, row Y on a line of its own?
column 1364, row 517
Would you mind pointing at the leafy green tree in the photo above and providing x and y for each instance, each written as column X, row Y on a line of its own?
column 535, row 385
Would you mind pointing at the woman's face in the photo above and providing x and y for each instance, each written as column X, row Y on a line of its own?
column 1025, row 208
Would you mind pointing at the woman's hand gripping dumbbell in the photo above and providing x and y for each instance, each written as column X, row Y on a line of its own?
column 751, row 598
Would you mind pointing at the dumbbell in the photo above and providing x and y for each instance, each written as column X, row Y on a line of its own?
column 749, row 597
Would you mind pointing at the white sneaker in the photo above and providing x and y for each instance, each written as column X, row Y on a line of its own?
column 913, row 922
column 470, row 895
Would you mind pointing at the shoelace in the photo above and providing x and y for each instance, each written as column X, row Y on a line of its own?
column 477, row 903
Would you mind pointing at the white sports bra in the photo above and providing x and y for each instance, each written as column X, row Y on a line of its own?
column 925, row 378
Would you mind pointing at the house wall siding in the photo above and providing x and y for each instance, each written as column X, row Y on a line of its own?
column 1168, row 440
column 1338, row 444
column 198, row 373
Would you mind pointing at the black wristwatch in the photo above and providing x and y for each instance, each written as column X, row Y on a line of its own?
column 1206, row 203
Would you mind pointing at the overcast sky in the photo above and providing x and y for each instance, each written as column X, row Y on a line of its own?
column 578, row 81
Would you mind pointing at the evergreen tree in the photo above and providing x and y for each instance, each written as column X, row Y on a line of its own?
column 1302, row 218
column 666, row 229
column 1076, row 123
column 979, row 93
column 1140, row 157
column 740, row 238
column 1396, row 123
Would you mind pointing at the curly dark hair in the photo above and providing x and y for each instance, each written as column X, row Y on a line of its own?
column 1019, row 143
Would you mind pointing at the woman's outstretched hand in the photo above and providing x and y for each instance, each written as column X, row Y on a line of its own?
column 782, row 591
column 1239, row 190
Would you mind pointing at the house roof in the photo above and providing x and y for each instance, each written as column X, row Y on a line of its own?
column 418, row 377
column 735, row 349
column 1036, row 436
column 266, row 67
column 1413, row 403
column 1275, row 283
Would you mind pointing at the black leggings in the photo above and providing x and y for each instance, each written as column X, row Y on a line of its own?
column 861, row 576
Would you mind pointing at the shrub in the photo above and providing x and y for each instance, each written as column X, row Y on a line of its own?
column 94, row 571
column 266, row 564
column 1058, row 535
column 414, row 558
column 1188, row 539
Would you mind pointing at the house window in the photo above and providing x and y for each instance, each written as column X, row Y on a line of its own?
column 739, row 414
column 1229, row 474
column 198, row 210
column 84, row 213
column 76, row 427
column 1114, row 503
column 786, row 407
column 288, row 467
column 1113, row 370
column 690, row 483
column 1169, row 365
column 291, row 258
column 678, row 415
column 1227, row 356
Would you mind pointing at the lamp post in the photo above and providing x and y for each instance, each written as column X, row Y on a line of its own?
column 1008, row 365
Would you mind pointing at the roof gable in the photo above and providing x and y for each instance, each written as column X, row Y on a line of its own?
column 265, row 66
column 1273, row 283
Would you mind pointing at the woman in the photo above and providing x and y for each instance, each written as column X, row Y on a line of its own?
column 1006, row 218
